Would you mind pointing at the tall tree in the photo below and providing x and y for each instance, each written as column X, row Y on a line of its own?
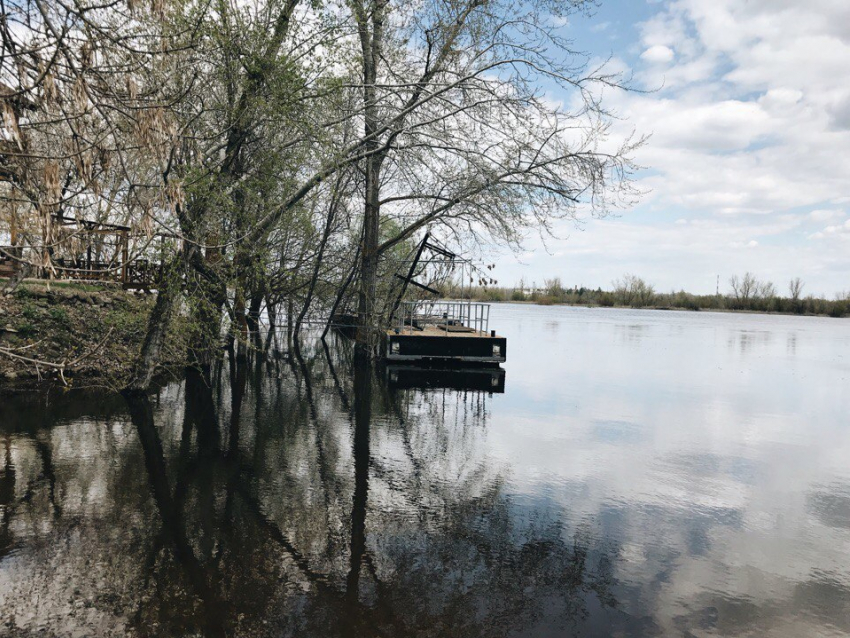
column 461, row 138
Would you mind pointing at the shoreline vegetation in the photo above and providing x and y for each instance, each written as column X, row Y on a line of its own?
column 745, row 294
column 80, row 333
column 72, row 333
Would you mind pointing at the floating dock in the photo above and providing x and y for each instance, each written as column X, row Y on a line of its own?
column 444, row 331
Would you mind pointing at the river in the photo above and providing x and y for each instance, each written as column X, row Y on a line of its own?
column 635, row 473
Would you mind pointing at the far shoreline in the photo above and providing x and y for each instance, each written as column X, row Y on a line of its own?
column 589, row 306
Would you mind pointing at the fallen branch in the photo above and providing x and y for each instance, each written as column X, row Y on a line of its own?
column 60, row 367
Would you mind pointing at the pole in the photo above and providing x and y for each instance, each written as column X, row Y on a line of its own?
column 469, row 299
column 409, row 276
column 125, row 256
column 13, row 228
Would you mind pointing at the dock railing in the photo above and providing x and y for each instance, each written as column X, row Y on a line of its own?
column 136, row 274
column 415, row 315
column 8, row 265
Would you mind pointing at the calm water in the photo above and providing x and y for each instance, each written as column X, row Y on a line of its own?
column 643, row 473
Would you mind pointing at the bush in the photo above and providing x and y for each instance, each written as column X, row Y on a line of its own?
column 838, row 309
column 688, row 302
column 605, row 299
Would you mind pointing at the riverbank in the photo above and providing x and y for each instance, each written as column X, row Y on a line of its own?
column 742, row 311
column 642, row 296
column 74, row 333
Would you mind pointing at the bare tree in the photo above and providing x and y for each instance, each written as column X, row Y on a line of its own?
column 633, row 291
column 247, row 137
column 795, row 288
column 765, row 290
column 85, row 100
column 744, row 288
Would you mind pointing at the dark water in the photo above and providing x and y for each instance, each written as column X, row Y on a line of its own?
column 643, row 473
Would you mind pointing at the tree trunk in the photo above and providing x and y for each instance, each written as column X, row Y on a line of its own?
column 334, row 204
column 253, row 317
column 371, row 32
column 342, row 292
column 241, row 323
column 205, row 343
column 366, row 319
column 290, row 311
column 159, row 323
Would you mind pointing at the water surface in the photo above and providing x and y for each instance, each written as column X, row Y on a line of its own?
column 643, row 473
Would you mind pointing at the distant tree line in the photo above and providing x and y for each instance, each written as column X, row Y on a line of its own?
column 745, row 293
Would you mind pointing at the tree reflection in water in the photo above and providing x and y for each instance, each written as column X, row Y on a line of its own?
column 305, row 499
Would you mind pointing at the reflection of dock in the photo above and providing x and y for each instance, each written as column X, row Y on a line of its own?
column 444, row 331
column 486, row 379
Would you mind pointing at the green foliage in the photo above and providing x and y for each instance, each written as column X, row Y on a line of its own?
column 58, row 314
column 633, row 291
column 125, row 322
column 26, row 328
column 29, row 312
column 606, row 300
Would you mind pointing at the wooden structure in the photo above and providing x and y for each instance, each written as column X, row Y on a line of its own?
column 90, row 264
column 429, row 331
column 432, row 331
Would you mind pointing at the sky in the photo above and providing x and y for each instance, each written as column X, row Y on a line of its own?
column 748, row 163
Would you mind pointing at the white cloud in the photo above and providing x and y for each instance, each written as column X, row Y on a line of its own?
column 822, row 215
column 839, row 230
column 749, row 155
column 658, row 54
column 780, row 100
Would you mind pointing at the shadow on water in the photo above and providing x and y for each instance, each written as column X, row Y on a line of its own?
column 308, row 499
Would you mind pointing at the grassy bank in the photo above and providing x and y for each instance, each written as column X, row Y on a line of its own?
column 85, row 334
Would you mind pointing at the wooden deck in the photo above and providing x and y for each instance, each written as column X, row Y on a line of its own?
column 443, row 331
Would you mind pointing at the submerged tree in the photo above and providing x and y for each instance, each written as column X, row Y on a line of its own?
column 460, row 136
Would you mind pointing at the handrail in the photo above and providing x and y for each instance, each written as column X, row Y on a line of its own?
column 418, row 314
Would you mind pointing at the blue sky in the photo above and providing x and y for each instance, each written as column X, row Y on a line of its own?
column 748, row 162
